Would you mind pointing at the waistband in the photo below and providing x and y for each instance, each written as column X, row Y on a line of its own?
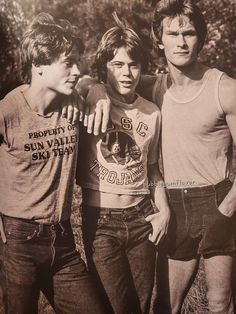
column 61, row 226
column 142, row 207
column 207, row 189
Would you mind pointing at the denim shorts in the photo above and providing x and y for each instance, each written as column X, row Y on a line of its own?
column 197, row 226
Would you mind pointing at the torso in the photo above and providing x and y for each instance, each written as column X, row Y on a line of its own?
column 196, row 141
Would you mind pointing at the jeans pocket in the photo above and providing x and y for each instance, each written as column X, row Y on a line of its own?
column 18, row 233
column 219, row 197
column 222, row 215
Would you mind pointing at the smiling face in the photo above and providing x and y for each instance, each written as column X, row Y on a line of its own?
column 179, row 40
column 62, row 75
column 123, row 74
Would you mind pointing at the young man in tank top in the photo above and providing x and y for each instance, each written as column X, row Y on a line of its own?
column 198, row 125
column 38, row 153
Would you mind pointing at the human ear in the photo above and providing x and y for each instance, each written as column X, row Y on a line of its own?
column 161, row 46
column 37, row 68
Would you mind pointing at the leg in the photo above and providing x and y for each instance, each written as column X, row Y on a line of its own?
column 142, row 258
column 73, row 290
column 107, row 261
column 234, row 280
column 218, row 278
column 174, row 278
column 18, row 273
column 112, row 269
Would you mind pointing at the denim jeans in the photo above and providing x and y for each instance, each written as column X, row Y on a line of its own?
column 120, row 256
column 43, row 257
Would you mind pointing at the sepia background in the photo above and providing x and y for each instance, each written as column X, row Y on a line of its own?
column 94, row 17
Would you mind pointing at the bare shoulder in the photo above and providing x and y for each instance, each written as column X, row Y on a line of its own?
column 227, row 94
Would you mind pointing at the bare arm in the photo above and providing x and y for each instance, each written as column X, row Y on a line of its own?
column 227, row 97
column 159, row 220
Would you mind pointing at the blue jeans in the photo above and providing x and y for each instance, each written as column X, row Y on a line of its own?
column 120, row 256
column 43, row 257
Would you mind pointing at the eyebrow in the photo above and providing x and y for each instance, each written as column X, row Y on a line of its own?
column 121, row 62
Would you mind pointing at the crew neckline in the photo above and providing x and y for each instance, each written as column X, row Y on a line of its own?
column 124, row 105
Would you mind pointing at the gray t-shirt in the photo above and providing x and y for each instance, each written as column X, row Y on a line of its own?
column 37, row 161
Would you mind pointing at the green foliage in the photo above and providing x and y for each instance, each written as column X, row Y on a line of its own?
column 220, row 49
column 95, row 17
column 11, row 28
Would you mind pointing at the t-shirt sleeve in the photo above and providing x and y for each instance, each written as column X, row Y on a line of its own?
column 153, row 153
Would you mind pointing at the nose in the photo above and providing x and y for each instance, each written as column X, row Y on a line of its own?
column 181, row 40
column 126, row 69
column 75, row 69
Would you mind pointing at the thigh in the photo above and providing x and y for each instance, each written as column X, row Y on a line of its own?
column 218, row 229
column 112, row 270
column 73, row 289
column 174, row 278
column 107, row 260
column 218, row 270
column 18, row 273
column 182, row 240
column 141, row 254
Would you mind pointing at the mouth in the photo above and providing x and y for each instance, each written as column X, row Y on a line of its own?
column 181, row 53
column 72, row 82
column 126, row 83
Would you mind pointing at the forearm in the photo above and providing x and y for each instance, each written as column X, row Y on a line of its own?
column 157, row 189
column 228, row 205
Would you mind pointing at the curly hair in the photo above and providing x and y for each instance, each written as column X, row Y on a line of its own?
column 45, row 40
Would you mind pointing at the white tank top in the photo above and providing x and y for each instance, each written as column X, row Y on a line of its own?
column 196, row 141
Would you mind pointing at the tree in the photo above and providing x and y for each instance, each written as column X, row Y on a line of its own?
column 95, row 17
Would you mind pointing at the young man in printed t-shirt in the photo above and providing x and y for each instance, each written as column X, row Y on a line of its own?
column 115, row 171
column 38, row 155
column 198, row 125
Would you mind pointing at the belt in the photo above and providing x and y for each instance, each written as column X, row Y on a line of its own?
column 143, row 207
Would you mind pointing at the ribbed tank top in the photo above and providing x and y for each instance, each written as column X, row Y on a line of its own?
column 196, row 141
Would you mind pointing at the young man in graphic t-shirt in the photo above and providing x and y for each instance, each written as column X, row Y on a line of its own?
column 115, row 172
column 38, row 154
column 198, row 124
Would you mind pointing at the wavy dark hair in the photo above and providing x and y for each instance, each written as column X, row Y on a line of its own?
column 118, row 36
column 45, row 40
column 181, row 9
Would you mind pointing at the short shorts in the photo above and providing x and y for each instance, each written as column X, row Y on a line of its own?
column 197, row 227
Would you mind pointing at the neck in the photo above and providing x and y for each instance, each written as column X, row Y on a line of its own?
column 127, row 99
column 41, row 99
column 183, row 76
